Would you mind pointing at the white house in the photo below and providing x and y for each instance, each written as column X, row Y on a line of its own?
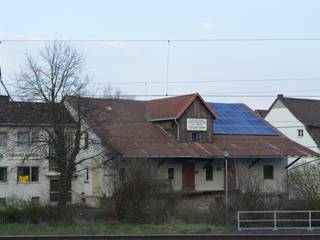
column 26, row 171
column 299, row 120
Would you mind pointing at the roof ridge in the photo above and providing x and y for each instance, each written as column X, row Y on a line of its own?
column 301, row 99
column 173, row 97
column 115, row 99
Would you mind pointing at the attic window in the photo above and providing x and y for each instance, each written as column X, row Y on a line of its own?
column 196, row 137
column 300, row 132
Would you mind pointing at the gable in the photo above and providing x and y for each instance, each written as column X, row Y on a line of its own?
column 280, row 116
column 196, row 118
column 288, row 124
column 173, row 107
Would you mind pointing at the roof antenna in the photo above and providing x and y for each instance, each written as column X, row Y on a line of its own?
column 168, row 60
column 4, row 86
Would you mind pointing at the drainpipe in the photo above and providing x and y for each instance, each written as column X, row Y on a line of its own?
column 178, row 129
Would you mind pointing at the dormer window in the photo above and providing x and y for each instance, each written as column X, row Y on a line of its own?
column 300, row 132
column 196, row 137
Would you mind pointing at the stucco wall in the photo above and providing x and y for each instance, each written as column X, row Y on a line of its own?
column 253, row 177
column 243, row 174
column 281, row 118
column 13, row 156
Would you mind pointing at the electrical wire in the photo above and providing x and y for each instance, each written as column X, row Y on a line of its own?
column 166, row 40
column 211, row 81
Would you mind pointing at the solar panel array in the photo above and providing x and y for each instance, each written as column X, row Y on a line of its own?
column 238, row 119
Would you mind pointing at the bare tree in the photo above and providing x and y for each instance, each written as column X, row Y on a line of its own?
column 304, row 183
column 51, row 78
column 115, row 93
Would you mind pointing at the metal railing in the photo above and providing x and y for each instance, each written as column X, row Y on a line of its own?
column 275, row 220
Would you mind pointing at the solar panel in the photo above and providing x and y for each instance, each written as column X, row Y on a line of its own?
column 238, row 119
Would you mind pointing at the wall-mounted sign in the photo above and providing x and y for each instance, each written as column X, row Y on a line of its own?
column 196, row 124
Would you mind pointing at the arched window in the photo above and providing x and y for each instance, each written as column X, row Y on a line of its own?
column 268, row 172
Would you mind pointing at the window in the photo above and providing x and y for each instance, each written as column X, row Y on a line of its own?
column 3, row 139
column 86, row 175
column 196, row 137
column 268, row 172
column 2, row 202
column 55, row 193
column 3, row 174
column 86, row 140
column 170, row 173
column 24, row 139
column 122, row 174
column 52, row 161
column 209, row 173
column 28, row 174
column 300, row 132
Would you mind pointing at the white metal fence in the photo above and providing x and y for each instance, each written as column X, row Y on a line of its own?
column 275, row 220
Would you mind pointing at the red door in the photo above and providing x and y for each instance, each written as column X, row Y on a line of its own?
column 188, row 176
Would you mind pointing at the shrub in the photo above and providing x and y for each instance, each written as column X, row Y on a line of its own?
column 20, row 211
column 200, row 211
column 141, row 198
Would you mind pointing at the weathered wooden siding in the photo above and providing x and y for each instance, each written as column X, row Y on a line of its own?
column 196, row 110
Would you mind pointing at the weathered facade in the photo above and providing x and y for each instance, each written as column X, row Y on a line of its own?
column 178, row 136
column 26, row 169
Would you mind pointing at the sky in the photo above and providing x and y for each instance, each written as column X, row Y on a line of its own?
column 210, row 68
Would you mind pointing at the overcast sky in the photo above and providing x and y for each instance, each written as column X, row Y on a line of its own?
column 116, row 62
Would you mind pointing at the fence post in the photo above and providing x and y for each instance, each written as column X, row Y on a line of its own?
column 310, row 221
column 239, row 229
column 274, row 220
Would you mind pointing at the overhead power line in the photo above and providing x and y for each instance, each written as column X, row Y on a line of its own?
column 203, row 95
column 166, row 40
column 212, row 81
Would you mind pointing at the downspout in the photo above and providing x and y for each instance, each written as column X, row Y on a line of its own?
column 178, row 129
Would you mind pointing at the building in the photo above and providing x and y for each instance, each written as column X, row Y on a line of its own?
column 298, row 119
column 26, row 171
column 184, row 138
column 187, row 138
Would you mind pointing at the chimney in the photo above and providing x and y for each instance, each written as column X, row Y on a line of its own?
column 4, row 99
column 280, row 96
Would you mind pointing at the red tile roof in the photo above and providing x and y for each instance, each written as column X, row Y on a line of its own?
column 123, row 125
column 173, row 107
